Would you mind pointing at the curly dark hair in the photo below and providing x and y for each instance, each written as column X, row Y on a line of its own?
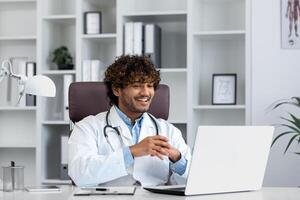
column 129, row 69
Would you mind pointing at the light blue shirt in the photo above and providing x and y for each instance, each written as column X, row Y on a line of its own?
column 178, row 167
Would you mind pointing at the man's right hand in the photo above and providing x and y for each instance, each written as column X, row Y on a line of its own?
column 152, row 145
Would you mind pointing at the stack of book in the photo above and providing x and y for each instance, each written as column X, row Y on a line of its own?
column 143, row 39
column 93, row 70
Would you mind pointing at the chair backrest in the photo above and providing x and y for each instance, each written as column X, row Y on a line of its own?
column 90, row 98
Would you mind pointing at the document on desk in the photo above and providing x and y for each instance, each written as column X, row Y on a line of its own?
column 86, row 191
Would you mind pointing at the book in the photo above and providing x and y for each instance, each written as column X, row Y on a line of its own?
column 92, row 22
column 138, row 38
column 86, row 70
column 126, row 190
column 68, row 79
column 43, row 188
column 30, row 72
column 64, row 157
column 153, row 43
column 97, row 70
column 128, row 38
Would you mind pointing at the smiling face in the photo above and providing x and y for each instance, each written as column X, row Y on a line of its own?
column 135, row 99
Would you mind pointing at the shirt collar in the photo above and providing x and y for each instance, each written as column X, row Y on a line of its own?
column 127, row 120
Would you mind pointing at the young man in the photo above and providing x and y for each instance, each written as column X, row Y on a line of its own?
column 121, row 146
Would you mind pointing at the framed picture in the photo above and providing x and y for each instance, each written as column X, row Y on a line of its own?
column 92, row 22
column 224, row 89
column 290, row 10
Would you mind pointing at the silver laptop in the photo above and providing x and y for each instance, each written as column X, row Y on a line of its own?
column 225, row 159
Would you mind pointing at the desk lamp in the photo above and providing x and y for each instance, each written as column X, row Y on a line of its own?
column 36, row 85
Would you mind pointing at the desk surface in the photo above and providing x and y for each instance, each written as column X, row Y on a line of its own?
column 279, row 193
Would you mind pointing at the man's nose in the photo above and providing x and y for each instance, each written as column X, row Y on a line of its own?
column 145, row 90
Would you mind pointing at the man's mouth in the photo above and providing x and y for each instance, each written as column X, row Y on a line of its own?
column 143, row 99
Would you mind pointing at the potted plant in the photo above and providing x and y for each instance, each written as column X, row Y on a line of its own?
column 291, row 124
column 62, row 58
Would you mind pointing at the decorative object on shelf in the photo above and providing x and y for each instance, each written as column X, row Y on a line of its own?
column 290, row 10
column 36, row 85
column 224, row 89
column 62, row 58
column 92, row 22
column 13, row 177
column 292, row 123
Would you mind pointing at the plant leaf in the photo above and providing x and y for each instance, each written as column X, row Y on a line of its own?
column 296, row 121
column 291, row 127
column 290, row 142
column 280, row 135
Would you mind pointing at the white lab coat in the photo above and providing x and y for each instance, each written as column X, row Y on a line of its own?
column 92, row 161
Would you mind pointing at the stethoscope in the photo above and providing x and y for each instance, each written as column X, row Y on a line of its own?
column 118, row 132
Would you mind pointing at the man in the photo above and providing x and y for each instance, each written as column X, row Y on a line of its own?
column 132, row 153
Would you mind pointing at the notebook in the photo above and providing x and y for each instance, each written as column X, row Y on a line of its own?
column 225, row 159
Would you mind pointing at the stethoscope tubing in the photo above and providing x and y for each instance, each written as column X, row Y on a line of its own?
column 117, row 130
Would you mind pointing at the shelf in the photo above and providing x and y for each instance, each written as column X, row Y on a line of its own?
column 100, row 36
column 221, row 107
column 11, row 108
column 61, row 19
column 57, row 182
column 231, row 34
column 17, row 1
column 58, row 72
column 53, row 17
column 17, row 38
column 172, row 70
column 58, row 122
column 158, row 16
column 16, row 146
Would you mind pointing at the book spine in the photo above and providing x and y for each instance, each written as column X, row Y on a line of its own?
column 95, row 70
column 86, row 70
column 153, row 43
column 68, row 79
column 128, row 38
column 138, row 38
column 30, row 72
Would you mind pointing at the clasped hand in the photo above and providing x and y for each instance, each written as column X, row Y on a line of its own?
column 155, row 146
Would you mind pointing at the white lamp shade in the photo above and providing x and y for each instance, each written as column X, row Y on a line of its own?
column 41, row 86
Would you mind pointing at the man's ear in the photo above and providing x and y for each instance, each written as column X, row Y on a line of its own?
column 116, row 91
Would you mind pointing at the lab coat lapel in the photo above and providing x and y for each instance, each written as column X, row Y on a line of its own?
column 148, row 127
column 116, row 121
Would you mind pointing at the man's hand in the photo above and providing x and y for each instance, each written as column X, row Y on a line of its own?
column 153, row 145
column 174, row 154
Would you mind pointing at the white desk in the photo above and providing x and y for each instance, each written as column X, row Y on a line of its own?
column 140, row 194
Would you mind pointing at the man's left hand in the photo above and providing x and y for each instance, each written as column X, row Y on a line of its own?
column 174, row 154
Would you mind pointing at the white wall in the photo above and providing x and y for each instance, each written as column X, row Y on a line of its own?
column 275, row 75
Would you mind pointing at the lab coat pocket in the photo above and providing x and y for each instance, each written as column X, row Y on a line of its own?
column 151, row 170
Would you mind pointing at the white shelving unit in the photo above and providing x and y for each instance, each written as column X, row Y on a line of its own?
column 199, row 38
column 218, row 42
column 17, row 39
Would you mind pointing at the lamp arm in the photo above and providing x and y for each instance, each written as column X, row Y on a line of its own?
column 8, row 71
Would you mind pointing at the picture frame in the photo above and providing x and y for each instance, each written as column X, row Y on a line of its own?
column 224, row 89
column 290, row 30
column 93, row 22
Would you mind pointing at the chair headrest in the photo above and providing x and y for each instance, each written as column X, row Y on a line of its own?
column 90, row 98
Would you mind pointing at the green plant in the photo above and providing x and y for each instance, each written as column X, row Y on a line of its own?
column 292, row 124
column 62, row 56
